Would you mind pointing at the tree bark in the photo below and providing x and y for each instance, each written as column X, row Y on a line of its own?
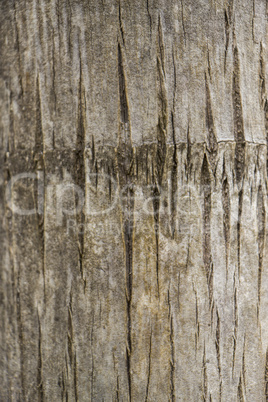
column 133, row 146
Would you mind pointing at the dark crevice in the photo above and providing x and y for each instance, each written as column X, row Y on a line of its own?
column 188, row 155
column 40, row 170
column 149, row 15
column 183, row 23
column 80, row 167
column 212, row 145
column 207, row 258
column 21, row 340
column 238, row 120
column 228, row 16
column 173, row 181
column 122, row 89
column 158, row 166
column 240, row 394
column 205, row 378
column 149, row 368
column 126, row 168
column 226, row 214
column 172, row 354
column 235, row 328
column 261, row 233
column 266, row 376
column 121, row 23
column 240, row 205
column 217, row 345
column 40, row 386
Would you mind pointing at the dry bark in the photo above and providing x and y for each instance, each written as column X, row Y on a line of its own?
column 156, row 112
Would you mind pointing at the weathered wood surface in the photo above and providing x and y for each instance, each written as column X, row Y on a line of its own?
column 156, row 112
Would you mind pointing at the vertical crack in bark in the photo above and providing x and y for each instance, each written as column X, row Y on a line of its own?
column 80, row 167
column 149, row 15
column 240, row 205
column 243, row 363
column 173, row 181
column 197, row 332
column 188, row 155
column 75, row 378
column 121, row 23
column 70, row 331
column 238, row 120
column 205, row 377
column 149, row 368
column 40, row 386
column 92, row 357
column 266, row 376
column 183, row 24
column 226, row 215
column 40, row 168
column 172, row 353
column 228, row 22
column 235, row 328
column 158, row 168
column 212, row 145
column 21, row 338
column 174, row 159
column 206, row 189
column 18, row 49
column 217, row 345
column 240, row 393
column 125, row 161
column 261, row 236
column 263, row 97
column 71, row 347
column 262, row 84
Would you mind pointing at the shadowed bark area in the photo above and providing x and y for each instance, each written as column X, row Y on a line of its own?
column 133, row 200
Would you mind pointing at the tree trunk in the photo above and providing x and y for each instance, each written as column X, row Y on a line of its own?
column 133, row 200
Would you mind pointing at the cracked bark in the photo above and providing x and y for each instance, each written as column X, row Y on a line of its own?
column 156, row 287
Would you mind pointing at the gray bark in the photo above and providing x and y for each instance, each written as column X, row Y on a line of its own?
column 157, row 288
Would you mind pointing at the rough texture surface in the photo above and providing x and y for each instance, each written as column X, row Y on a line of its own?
column 154, row 287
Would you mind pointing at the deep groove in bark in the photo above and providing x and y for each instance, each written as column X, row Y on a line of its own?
column 266, row 376
column 240, row 205
column 235, row 328
column 125, row 162
column 205, row 378
column 206, row 189
column 172, row 352
column 149, row 368
column 80, row 167
column 261, row 215
column 217, row 345
column 226, row 215
column 40, row 386
column 160, row 157
column 212, row 145
column 121, row 23
column 238, row 120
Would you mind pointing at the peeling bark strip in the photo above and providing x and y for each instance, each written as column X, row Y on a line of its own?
column 125, row 161
column 206, row 189
column 212, row 145
column 238, row 120
column 261, row 214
